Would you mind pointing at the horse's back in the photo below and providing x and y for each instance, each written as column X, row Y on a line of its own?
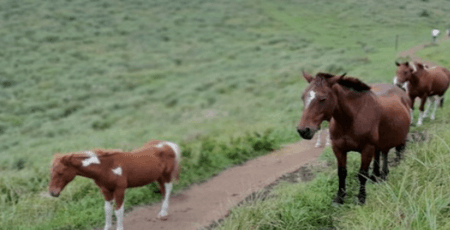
column 390, row 90
column 394, row 122
column 440, row 80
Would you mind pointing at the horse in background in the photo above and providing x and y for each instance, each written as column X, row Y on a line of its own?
column 114, row 171
column 425, row 83
column 360, row 121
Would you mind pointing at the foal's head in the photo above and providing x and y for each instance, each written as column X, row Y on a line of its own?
column 61, row 174
column 319, row 103
column 404, row 72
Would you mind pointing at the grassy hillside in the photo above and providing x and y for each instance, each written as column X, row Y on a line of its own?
column 76, row 75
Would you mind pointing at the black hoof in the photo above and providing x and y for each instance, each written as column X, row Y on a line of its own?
column 339, row 199
column 361, row 200
column 374, row 178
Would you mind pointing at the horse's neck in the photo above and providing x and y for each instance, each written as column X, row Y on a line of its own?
column 92, row 171
column 417, row 77
column 348, row 104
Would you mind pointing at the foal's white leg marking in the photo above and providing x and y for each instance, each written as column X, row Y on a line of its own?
column 117, row 171
column 108, row 214
column 165, row 205
column 436, row 102
column 419, row 123
column 93, row 159
column 310, row 97
column 429, row 102
column 318, row 144
column 411, row 114
column 119, row 216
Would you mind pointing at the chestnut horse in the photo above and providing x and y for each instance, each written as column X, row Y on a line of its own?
column 380, row 89
column 424, row 83
column 114, row 171
column 361, row 121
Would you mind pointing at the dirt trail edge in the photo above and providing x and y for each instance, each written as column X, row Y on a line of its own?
column 204, row 203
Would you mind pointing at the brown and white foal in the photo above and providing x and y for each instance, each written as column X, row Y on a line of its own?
column 114, row 171
column 425, row 83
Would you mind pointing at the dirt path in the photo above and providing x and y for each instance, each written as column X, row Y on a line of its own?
column 412, row 52
column 204, row 203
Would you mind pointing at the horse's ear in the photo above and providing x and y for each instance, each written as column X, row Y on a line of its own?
column 397, row 64
column 406, row 63
column 419, row 65
column 66, row 160
column 307, row 76
column 335, row 79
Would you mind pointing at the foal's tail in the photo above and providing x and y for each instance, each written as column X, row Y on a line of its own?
column 177, row 169
column 442, row 102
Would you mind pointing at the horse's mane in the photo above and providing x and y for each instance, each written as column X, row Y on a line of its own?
column 98, row 152
column 349, row 82
column 355, row 84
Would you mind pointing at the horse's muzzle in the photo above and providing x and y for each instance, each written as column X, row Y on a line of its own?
column 54, row 194
column 306, row 133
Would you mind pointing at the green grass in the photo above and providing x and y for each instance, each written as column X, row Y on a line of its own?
column 78, row 75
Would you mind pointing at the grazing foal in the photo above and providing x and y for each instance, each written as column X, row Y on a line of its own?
column 360, row 121
column 424, row 83
column 114, row 171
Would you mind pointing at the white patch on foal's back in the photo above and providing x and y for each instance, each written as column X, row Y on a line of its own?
column 310, row 98
column 175, row 148
column 93, row 159
column 117, row 171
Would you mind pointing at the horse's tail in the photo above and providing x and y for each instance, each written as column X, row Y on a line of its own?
column 442, row 102
column 175, row 174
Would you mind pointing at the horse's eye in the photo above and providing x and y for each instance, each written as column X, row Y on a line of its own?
column 322, row 99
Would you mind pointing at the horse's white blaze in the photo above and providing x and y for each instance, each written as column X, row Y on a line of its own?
column 117, row 171
column 93, row 159
column 413, row 66
column 119, row 216
column 175, row 148
column 108, row 214
column 310, row 98
column 395, row 80
column 165, row 205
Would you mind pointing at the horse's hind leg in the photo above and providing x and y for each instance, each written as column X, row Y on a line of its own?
column 436, row 102
column 385, row 170
column 167, row 189
column 399, row 152
column 429, row 102
column 376, row 167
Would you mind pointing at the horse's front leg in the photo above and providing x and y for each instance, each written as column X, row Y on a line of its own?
column 376, row 167
column 341, row 157
column 423, row 99
column 411, row 110
column 366, row 157
column 119, row 197
column 109, row 197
